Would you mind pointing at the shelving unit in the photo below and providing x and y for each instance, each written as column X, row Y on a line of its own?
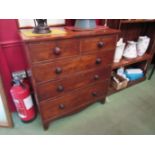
column 126, row 62
column 137, row 21
column 131, row 30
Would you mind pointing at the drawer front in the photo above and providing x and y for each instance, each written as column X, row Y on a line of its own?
column 60, row 87
column 63, row 105
column 96, row 60
column 97, row 44
column 59, row 69
column 53, row 49
column 55, row 70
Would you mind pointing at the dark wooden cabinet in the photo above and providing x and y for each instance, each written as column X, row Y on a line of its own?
column 69, row 71
column 131, row 30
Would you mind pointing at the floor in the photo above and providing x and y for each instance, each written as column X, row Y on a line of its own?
column 131, row 111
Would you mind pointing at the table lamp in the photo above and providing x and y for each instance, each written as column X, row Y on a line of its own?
column 41, row 26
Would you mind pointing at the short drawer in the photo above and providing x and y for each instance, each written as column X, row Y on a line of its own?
column 63, row 105
column 97, row 44
column 60, row 87
column 59, row 69
column 49, row 50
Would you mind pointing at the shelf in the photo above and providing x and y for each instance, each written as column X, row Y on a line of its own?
column 125, row 62
column 112, row 90
column 137, row 21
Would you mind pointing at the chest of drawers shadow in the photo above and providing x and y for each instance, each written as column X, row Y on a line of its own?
column 71, row 71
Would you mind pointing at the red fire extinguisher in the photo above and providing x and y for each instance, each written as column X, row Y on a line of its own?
column 20, row 93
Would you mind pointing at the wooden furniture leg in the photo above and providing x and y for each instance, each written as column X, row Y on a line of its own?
column 46, row 125
column 102, row 101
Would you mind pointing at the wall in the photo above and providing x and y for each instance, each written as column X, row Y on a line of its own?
column 11, row 54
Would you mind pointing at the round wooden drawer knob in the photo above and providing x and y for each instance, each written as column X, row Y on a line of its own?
column 94, row 94
column 60, row 88
column 100, row 44
column 96, row 77
column 98, row 61
column 58, row 70
column 61, row 106
column 57, row 51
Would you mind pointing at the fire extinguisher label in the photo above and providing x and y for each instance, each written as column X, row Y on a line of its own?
column 28, row 102
column 16, row 102
column 21, row 114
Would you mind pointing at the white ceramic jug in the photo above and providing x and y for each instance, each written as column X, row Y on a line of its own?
column 142, row 45
column 119, row 50
column 130, row 51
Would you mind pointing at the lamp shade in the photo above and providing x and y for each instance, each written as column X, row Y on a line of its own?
column 85, row 24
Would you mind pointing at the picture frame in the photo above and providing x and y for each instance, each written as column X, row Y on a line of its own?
column 5, row 115
column 29, row 23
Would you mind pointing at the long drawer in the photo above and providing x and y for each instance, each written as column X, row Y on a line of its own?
column 60, row 106
column 48, row 50
column 59, row 69
column 60, row 87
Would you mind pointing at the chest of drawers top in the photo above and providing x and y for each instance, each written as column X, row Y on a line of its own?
column 68, row 34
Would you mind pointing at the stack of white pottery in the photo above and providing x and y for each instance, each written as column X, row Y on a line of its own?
column 130, row 51
column 142, row 45
column 119, row 50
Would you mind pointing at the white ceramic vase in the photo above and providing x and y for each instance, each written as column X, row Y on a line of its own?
column 142, row 45
column 119, row 50
column 130, row 51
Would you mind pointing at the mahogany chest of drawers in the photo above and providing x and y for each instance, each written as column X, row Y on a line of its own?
column 69, row 71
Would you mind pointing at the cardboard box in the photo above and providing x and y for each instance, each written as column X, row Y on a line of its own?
column 122, row 82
